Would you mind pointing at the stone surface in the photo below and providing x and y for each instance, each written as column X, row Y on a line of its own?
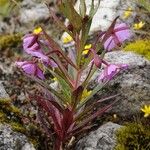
column 107, row 11
column 130, row 58
column 10, row 140
column 101, row 139
column 133, row 85
column 33, row 12
column 3, row 93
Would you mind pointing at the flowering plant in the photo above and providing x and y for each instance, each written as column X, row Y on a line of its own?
column 66, row 107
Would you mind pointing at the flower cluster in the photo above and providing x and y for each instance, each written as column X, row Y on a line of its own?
column 31, row 46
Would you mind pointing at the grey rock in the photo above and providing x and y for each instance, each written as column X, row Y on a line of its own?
column 130, row 58
column 107, row 11
column 101, row 139
column 3, row 93
column 133, row 85
column 33, row 12
column 10, row 140
column 28, row 146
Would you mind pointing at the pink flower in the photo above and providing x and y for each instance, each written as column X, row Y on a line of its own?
column 110, row 71
column 120, row 33
column 31, row 46
column 31, row 68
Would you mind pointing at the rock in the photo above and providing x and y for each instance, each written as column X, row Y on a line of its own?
column 101, row 139
column 3, row 93
column 28, row 146
column 130, row 58
column 133, row 85
column 107, row 12
column 10, row 140
column 33, row 12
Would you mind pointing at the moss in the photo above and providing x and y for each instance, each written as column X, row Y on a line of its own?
column 7, row 6
column 12, row 116
column 133, row 136
column 7, row 106
column 18, row 127
column 10, row 41
column 141, row 47
column 2, row 116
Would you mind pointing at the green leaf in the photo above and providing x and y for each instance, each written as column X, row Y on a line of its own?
column 76, row 96
column 68, row 10
column 65, row 89
column 82, row 8
column 94, row 91
column 94, row 8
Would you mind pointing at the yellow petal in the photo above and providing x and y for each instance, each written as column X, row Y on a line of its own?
column 88, row 46
column 37, row 30
column 142, row 109
column 85, row 52
column 146, row 115
column 127, row 13
column 67, row 39
column 139, row 25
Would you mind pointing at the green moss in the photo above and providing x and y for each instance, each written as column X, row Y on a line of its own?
column 145, row 4
column 141, row 47
column 12, row 116
column 10, row 41
column 6, row 6
column 18, row 127
column 7, row 106
column 133, row 136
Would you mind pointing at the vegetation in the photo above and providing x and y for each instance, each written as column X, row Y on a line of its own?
column 10, row 41
column 141, row 47
column 6, row 7
column 133, row 136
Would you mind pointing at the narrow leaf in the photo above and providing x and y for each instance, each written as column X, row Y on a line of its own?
column 93, row 116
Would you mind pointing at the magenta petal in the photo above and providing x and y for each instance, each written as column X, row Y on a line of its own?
column 110, row 71
column 109, row 44
column 39, row 74
column 29, row 40
column 120, row 33
column 123, row 35
column 31, row 68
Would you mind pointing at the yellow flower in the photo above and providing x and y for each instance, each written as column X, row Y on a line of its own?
column 67, row 38
column 146, row 110
column 37, row 30
column 127, row 13
column 85, row 94
column 86, row 49
column 139, row 25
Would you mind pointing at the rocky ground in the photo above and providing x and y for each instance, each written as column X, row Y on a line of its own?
column 133, row 85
